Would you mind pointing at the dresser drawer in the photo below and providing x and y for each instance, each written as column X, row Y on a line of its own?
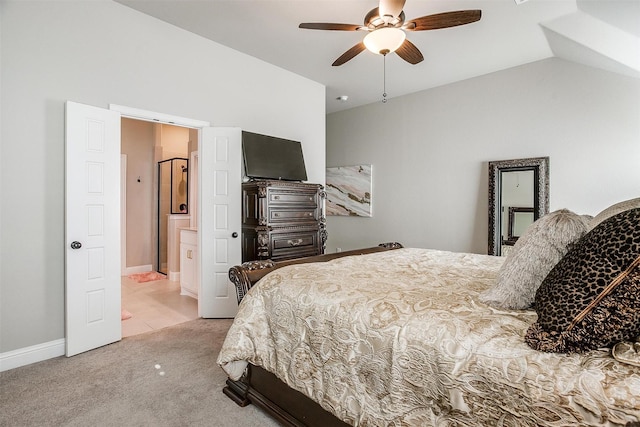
column 292, row 215
column 284, row 197
column 294, row 244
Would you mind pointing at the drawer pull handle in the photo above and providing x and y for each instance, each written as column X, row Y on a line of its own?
column 276, row 197
column 277, row 215
column 296, row 242
column 309, row 213
column 189, row 254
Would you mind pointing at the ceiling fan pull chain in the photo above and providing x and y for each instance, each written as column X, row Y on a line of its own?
column 384, row 79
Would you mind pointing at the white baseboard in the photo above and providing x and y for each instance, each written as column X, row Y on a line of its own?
column 174, row 276
column 137, row 269
column 28, row 355
column 187, row 292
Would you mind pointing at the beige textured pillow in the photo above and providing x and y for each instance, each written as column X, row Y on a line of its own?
column 536, row 252
column 614, row 210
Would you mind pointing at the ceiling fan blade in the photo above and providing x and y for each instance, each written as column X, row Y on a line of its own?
column 409, row 52
column 391, row 7
column 443, row 20
column 329, row 26
column 349, row 54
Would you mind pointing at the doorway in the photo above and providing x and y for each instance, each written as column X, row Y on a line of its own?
column 155, row 206
column 92, row 221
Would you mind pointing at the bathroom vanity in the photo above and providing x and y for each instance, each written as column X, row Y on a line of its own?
column 189, row 262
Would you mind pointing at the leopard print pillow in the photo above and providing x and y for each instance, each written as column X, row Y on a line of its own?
column 591, row 298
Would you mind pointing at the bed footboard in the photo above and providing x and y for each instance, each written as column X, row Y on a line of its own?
column 287, row 406
column 246, row 275
column 262, row 388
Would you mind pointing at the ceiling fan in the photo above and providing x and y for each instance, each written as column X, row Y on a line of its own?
column 386, row 28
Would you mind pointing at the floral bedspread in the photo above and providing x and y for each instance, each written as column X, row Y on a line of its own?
column 399, row 338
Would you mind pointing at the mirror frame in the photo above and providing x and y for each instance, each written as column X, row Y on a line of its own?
column 540, row 167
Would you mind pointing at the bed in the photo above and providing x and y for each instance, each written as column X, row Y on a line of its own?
column 401, row 336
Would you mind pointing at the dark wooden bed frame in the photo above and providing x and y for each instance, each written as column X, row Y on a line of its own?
column 264, row 389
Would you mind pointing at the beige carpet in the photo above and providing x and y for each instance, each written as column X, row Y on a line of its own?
column 163, row 378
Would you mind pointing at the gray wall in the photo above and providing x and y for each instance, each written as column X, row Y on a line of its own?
column 430, row 150
column 97, row 53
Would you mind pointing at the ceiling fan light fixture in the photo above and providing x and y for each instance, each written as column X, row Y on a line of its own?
column 384, row 40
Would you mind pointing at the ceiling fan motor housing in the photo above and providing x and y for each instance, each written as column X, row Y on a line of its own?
column 373, row 20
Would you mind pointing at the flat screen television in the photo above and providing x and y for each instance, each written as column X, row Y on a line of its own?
column 269, row 157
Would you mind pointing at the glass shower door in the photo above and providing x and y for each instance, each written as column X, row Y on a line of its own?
column 173, row 198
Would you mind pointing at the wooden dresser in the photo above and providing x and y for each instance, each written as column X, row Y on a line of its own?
column 282, row 220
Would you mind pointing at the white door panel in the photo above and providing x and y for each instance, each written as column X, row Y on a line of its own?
column 219, row 219
column 92, row 231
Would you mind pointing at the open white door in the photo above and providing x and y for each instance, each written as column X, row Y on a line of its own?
column 92, row 231
column 219, row 219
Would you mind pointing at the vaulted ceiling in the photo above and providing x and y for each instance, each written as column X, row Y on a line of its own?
column 599, row 33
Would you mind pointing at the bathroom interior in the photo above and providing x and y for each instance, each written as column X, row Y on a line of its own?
column 159, row 163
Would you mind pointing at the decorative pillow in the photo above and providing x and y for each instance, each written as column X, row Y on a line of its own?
column 591, row 298
column 614, row 210
column 535, row 253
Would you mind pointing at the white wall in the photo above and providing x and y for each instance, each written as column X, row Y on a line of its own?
column 101, row 52
column 430, row 150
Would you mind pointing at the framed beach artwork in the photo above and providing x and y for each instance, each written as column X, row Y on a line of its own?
column 349, row 190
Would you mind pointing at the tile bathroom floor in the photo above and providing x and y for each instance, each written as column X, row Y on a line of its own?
column 154, row 305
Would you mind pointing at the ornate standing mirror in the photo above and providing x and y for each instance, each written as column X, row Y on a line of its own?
column 518, row 195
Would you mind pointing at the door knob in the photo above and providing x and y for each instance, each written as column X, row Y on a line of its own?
column 76, row 245
column 234, row 234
